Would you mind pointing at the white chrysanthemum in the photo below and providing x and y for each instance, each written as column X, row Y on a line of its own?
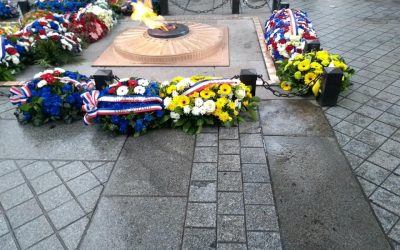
column 203, row 110
column 42, row 83
column 48, row 71
column 240, row 93
column 198, row 102
column 209, row 106
column 238, row 104
column 139, row 90
column 15, row 59
column 61, row 70
column 174, row 93
column 143, row 82
column 165, row 84
column 167, row 101
column 175, row 116
column 196, row 111
column 122, row 90
column 180, row 86
column 187, row 109
column 123, row 79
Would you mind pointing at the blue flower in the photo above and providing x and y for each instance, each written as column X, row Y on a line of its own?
column 139, row 126
column 115, row 119
column 27, row 116
column 148, row 117
column 123, row 126
column 66, row 88
column 70, row 99
column 159, row 113
column 55, row 111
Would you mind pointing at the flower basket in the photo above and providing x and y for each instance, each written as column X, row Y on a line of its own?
column 131, row 106
column 198, row 101
column 286, row 32
column 50, row 95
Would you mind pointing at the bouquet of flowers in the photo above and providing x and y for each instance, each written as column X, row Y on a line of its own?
column 87, row 26
column 50, row 95
column 304, row 70
column 102, row 10
column 8, row 28
column 10, row 57
column 33, row 15
column 200, row 100
column 130, row 106
column 60, row 6
column 7, row 11
column 286, row 32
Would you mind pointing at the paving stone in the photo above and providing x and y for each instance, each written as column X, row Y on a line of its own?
column 264, row 240
column 230, row 203
column 203, row 140
column 354, row 160
column 228, row 133
column 231, row 228
column 23, row 213
column 255, row 173
column 229, row 163
column 372, row 172
column 7, row 242
column 229, row 147
column 32, row 232
column 83, row 183
column 51, row 243
column 72, row 170
column 209, row 129
column 261, row 217
column 93, row 164
column 249, row 127
column 45, row 182
column 251, row 140
column 203, row 191
column 253, row 155
column 395, row 232
column 371, row 138
column 358, row 97
column 342, row 138
column 332, row 119
column 258, row 193
column 206, row 154
column 201, row 215
column 384, row 160
column 15, row 196
column 367, row 186
column 382, row 128
column 89, row 199
column 366, row 91
column 359, row 148
column 36, row 169
column 3, row 225
column 65, row 214
column 390, row 119
column 388, row 97
column 23, row 163
column 229, row 181
column 391, row 147
column 163, row 172
column 359, row 119
column 58, row 164
column 369, row 111
column 392, row 183
column 386, row 200
column 72, row 234
column 55, row 197
column 231, row 246
column 395, row 110
column 199, row 238
column 348, row 128
column 7, row 166
column 379, row 104
column 204, row 172
column 10, row 181
column 386, row 218
column 103, row 173
column 350, row 104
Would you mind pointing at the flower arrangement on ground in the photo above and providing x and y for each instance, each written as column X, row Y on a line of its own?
column 50, row 95
column 286, row 32
column 130, row 106
column 102, row 10
column 60, row 6
column 305, row 70
column 87, row 26
column 200, row 100
column 7, row 11
column 10, row 57
column 8, row 28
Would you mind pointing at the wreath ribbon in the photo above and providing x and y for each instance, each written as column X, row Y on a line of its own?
column 199, row 86
column 20, row 95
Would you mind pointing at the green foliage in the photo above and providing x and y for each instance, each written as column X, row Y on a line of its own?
column 49, row 53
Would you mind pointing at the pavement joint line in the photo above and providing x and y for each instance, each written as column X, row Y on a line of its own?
column 196, row 227
column 39, row 203
column 143, row 196
column 9, row 227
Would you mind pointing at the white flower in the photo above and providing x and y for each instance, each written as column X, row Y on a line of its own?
column 123, row 79
column 203, row 110
column 165, row 84
column 175, row 116
column 15, row 59
column 186, row 109
column 174, row 93
column 240, row 93
column 48, row 71
column 209, row 106
column 122, row 90
column 143, row 82
column 38, row 75
column 238, row 104
column 139, row 90
column 180, row 86
column 196, row 111
column 59, row 70
column 167, row 101
column 42, row 83
column 198, row 102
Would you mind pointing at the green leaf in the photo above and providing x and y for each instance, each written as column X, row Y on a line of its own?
column 25, row 107
column 200, row 122
column 180, row 122
column 187, row 126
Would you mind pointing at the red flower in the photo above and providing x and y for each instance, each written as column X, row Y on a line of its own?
column 132, row 83
column 42, row 32
column 307, row 36
column 49, row 78
column 289, row 48
column 11, row 51
column 43, row 23
column 119, row 84
column 299, row 51
column 49, row 17
column 274, row 46
column 282, row 41
column 56, row 73
column 112, row 90
column 55, row 38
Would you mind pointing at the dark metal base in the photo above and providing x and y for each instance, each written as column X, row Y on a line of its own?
column 180, row 30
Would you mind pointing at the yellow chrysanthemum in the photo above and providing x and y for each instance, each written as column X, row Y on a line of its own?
column 315, row 65
column 316, row 87
column 162, row 95
column 224, row 89
column 286, row 86
column 224, row 117
column 207, row 94
column 296, row 63
column 217, row 112
column 231, row 105
column 246, row 103
column 172, row 106
column 304, row 65
column 195, row 95
column 221, row 102
column 183, row 101
column 309, row 77
column 297, row 75
column 170, row 89
column 287, row 66
column 340, row 65
column 177, row 79
column 318, row 71
column 249, row 95
column 236, row 113
column 299, row 57
column 325, row 62
column 322, row 55
column 197, row 78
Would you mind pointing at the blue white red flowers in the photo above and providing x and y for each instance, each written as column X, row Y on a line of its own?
column 286, row 32
column 7, row 10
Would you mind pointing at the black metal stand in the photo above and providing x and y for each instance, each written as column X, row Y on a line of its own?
column 249, row 77
column 284, row 5
column 275, row 4
column 235, row 6
column 330, row 87
column 23, row 7
column 164, row 7
column 312, row 45
column 103, row 78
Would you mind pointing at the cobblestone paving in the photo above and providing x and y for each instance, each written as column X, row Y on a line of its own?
column 367, row 119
